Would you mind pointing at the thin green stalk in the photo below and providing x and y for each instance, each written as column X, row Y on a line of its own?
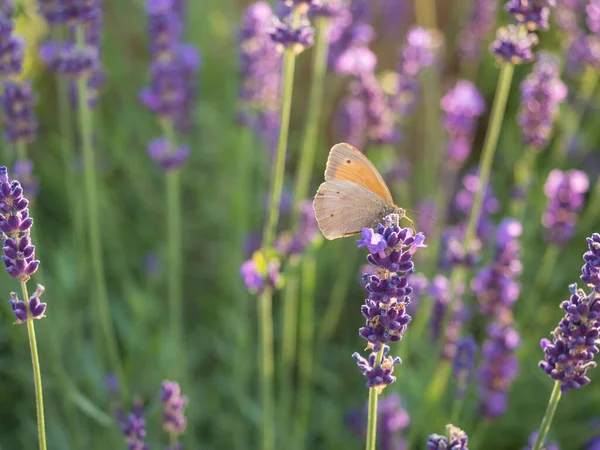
column 313, row 116
column 372, row 414
column 278, row 172
column 289, row 319
column 593, row 209
column 265, row 311
column 108, row 340
column 457, row 406
column 489, row 149
column 425, row 13
column 306, row 346
column 548, row 416
column 37, row 374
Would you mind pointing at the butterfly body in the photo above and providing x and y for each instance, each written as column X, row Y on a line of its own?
column 353, row 196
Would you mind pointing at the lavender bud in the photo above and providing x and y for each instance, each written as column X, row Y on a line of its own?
column 514, row 45
column 378, row 376
column 590, row 272
column 163, row 154
column 533, row 16
column 295, row 37
column 455, row 439
column 174, row 421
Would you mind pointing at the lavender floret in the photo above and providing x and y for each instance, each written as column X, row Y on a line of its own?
column 455, row 439
column 514, row 45
column 378, row 376
column 36, row 307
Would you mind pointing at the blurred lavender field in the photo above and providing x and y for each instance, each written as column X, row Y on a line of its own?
column 170, row 151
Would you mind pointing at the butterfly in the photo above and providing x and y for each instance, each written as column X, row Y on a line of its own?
column 353, row 196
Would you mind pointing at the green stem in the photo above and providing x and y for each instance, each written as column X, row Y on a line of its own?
column 289, row 320
column 37, row 374
column 457, row 406
column 278, row 172
column 266, row 326
column 91, row 194
column 313, row 116
column 425, row 13
column 372, row 414
column 489, row 149
column 548, row 416
column 306, row 345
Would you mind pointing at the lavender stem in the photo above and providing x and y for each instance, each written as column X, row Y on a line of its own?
column 548, row 416
column 37, row 375
column 372, row 417
column 91, row 194
column 425, row 13
column 265, row 319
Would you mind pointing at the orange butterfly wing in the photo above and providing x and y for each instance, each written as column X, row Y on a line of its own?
column 345, row 162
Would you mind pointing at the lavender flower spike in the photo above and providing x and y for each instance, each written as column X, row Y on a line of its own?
column 464, row 361
column 590, row 272
column 477, row 29
column 298, row 37
column 574, row 342
column 534, row 14
column 134, row 430
column 514, row 45
column 378, row 376
column 15, row 223
column 174, row 421
column 455, row 439
column 36, row 308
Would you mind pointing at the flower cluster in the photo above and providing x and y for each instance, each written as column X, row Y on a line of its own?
column 15, row 225
column 419, row 52
column 590, row 272
column 499, row 367
column 171, row 91
column 293, row 36
column 455, row 439
column 514, row 45
column 391, row 250
column 36, row 308
column 134, row 431
column 464, row 361
column 12, row 47
column 78, row 56
column 392, row 420
column 306, row 232
column 451, row 251
column 260, row 272
column 174, row 421
column 575, row 341
column 566, row 196
column 495, row 285
column 593, row 16
column 463, row 105
column 534, row 14
column 378, row 373
column 477, row 29
column 541, row 94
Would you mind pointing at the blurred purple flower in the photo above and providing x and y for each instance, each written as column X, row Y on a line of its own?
column 161, row 151
column 514, row 45
column 541, row 94
column 499, row 367
column 288, row 35
column 18, row 103
column 23, row 171
column 36, row 308
column 476, row 31
column 455, row 439
column 378, row 375
column 306, row 232
column 134, row 431
column 451, row 251
column 12, row 54
column 174, row 421
column 495, row 285
column 463, row 203
column 260, row 272
column 533, row 14
column 533, row 437
column 590, row 272
column 15, row 225
column 574, row 342
column 464, row 361
column 463, row 105
column 566, row 196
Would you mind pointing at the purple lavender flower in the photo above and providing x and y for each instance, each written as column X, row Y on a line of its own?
column 259, row 273
column 15, row 225
column 464, row 361
column 36, row 308
column 174, row 421
column 164, row 26
column 574, row 342
column 451, row 251
column 161, row 152
column 541, row 94
column 566, row 196
column 296, row 37
column 533, row 437
column 12, row 54
column 477, row 29
column 534, row 15
column 18, row 102
column 495, row 285
column 365, row 115
column 307, row 231
column 455, row 439
column 392, row 420
column 378, row 376
column 593, row 15
column 326, row 8
column 590, row 272
column 134, row 431
column 463, row 105
column 498, row 368
column 514, row 45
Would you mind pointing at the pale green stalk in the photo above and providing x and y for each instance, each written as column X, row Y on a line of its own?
column 108, row 340
column 37, row 374
column 372, row 413
column 425, row 13
column 548, row 416
column 265, row 319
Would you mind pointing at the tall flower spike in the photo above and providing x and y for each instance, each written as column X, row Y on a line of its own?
column 174, row 421
column 134, row 431
column 514, row 45
column 478, row 28
column 566, row 196
column 463, row 105
column 534, row 14
column 574, row 342
column 15, row 224
column 464, row 360
column 541, row 94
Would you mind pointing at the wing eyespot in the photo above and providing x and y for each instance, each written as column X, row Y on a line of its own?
column 348, row 161
column 331, row 215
